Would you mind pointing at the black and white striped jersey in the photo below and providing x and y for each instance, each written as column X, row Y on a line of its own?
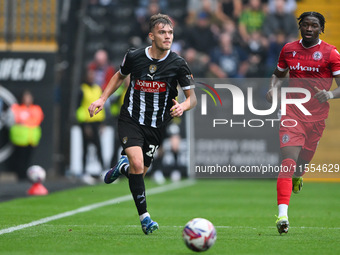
column 153, row 85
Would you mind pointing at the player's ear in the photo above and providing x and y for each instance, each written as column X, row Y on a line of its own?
column 151, row 36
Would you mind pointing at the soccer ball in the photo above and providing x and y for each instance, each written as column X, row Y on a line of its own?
column 36, row 173
column 199, row 234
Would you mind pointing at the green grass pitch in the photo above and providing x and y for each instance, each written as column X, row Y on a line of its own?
column 241, row 210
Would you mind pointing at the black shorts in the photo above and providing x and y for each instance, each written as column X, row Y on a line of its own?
column 148, row 138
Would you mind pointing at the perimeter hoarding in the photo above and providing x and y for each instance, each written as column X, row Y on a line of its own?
column 32, row 71
column 235, row 130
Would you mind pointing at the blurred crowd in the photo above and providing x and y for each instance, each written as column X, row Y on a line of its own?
column 222, row 38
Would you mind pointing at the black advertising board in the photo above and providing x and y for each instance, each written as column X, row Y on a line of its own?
column 235, row 131
column 33, row 71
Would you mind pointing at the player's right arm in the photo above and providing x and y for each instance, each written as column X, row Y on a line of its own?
column 280, row 72
column 275, row 82
column 115, row 82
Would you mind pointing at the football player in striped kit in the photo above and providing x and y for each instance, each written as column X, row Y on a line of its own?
column 149, row 105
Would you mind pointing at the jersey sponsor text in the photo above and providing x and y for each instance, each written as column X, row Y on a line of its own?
column 299, row 67
column 150, row 86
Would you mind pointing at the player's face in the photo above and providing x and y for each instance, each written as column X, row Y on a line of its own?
column 162, row 36
column 310, row 29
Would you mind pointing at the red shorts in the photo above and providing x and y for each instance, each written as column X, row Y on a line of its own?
column 305, row 134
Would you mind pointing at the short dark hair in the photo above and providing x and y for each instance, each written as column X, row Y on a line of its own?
column 159, row 19
column 317, row 15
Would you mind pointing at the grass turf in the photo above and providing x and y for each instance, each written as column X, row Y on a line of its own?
column 241, row 210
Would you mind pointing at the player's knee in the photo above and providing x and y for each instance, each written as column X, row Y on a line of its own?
column 288, row 167
column 136, row 166
column 290, row 152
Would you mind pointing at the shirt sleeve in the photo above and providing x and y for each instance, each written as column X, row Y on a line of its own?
column 125, row 67
column 334, row 60
column 282, row 64
column 185, row 77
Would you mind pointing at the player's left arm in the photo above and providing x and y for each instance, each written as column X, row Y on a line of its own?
column 323, row 95
column 336, row 92
column 185, row 79
column 190, row 102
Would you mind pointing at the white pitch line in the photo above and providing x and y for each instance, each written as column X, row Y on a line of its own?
column 87, row 208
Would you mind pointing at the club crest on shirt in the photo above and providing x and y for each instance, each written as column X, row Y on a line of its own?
column 124, row 140
column 317, row 55
column 152, row 68
column 285, row 138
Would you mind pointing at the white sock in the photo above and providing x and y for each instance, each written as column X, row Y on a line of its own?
column 143, row 216
column 283, row 210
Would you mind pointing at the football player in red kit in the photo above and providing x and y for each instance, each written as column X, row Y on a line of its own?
column 312, row 64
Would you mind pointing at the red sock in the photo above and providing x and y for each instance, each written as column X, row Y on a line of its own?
column 284, row 181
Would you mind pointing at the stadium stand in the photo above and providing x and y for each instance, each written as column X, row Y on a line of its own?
column 28, row 25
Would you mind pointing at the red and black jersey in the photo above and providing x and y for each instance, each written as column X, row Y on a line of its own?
column 153, row 85
column 308, row 68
